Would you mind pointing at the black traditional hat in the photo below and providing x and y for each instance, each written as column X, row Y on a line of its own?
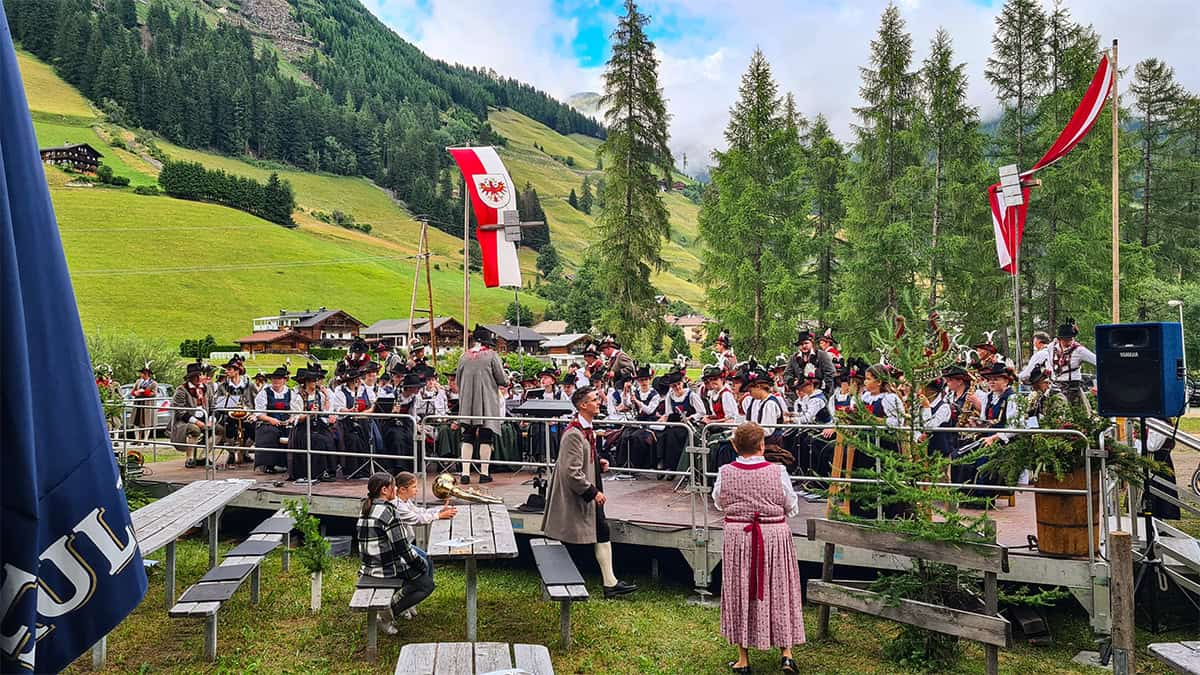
column 146, row 368
column 609, row 341
column 194, row 368
column 952, row 371
column 827, row 336
column 305, row 375
column 281, row 371
column 936, row 384
column 1038, row 374
column 857, row 367
column 780, row 362
column 810, row 373
column 412, row 380
column 370, row 367
column 568, row 378
column 548, row 372
column 260, row 376
column 1068, row 330
column 673, row 377
column 643, row 371
column 415, row 345
column 712, row 372
column 723, row 338
column 987, row 345
column 803, row 336
column 998, row 370
column 756, row 376
column 383, row 346
column 352, row 372
column 591, row 350
column 483, row 336
column 235, row 362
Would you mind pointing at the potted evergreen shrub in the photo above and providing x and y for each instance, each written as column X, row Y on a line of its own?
column 313, row 554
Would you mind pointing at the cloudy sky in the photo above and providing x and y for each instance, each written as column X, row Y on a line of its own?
column 815, row 47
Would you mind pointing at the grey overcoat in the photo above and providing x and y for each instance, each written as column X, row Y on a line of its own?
column 480, row 374
column 570, row 503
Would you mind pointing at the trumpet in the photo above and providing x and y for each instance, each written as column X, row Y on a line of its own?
column 446, row 486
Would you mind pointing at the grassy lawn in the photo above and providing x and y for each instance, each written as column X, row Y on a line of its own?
column 123, row 163
column 47, row 92
column 656, row 631
column 163, row 267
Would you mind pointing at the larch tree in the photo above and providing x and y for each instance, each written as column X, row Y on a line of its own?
column 634, row 222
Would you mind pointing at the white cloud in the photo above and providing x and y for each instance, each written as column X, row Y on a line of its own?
column 815, row 48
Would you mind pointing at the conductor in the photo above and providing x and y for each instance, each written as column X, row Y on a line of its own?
column 575, row 503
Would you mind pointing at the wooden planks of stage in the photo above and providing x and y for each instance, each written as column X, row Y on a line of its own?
column 644, row 500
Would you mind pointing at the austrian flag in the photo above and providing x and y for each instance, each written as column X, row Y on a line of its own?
column 492, row 193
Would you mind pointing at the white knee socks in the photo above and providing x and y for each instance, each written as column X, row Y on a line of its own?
column 465, row 467
column 485, row 453
column 604, row 558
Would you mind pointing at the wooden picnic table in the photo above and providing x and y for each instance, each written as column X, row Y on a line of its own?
column 163, row 521
column 488, row 534
column 469, row 658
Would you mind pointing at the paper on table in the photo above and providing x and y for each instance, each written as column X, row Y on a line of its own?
column 458, row 542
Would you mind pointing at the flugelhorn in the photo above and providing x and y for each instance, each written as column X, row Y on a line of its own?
column 446, row 486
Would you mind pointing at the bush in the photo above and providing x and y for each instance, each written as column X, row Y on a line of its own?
column 148, row 190
column 198, row 349
column 127, row 353
column 119, row 181
column 273, row 201
column 327, row 354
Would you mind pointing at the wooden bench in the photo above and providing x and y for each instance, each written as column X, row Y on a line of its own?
column 204, row 598
column 1181, row 657
column 160, row 523
column 561, row 581
column 469, row 658
column 373, row 595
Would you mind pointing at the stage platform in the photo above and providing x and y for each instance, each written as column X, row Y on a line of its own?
column 650, row 512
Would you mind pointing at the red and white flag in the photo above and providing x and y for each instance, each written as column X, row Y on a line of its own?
column 492, row 193
column 1008, row 222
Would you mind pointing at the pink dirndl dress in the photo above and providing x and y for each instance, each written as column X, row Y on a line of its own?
column 760, row 578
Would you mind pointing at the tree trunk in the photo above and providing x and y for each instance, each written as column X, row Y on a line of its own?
column 1148, row 133
column 315, row 599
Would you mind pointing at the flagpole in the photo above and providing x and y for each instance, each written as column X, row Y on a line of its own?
column 1016, row 290
column 1116, row 169
column 466, row 266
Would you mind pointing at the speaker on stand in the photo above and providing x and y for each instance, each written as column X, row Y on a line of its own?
column 1140, row 374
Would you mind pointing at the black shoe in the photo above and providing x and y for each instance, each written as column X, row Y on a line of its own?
column 744, row 670
column 618, row 589
column 485, row 479
column 189, row 463
column 466, row 480
column 788, row 665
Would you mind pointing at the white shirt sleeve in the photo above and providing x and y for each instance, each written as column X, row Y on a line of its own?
column 1039, row 357
column 893, row 409
column 697, row 405
column 716, row 491
column 789, row 494
column 729, row 405
column 1085, row 355
column 260, row 403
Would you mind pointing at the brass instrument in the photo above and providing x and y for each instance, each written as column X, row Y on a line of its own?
column 446, row 486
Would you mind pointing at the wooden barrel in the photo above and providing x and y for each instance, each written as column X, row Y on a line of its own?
column 1062, row 524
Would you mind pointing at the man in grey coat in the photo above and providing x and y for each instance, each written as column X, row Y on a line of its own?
column 189, row 414
column 620, row 364
column 480, row 374
column 575, row 502
column 806, row 354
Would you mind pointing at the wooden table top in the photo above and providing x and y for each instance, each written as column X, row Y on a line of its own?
column 162, row 522
column 458, row 658
column 488, row 524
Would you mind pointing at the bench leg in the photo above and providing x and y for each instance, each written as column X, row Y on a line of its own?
column 169, row 582
column 471, row 600
column 564, row 622
column 287, row 551
column 372, row 634
column 210, row 637
column 213, row 520
column 255, row 583
column 100, row 653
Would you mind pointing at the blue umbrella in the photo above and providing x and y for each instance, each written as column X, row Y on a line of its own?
column 72, row 570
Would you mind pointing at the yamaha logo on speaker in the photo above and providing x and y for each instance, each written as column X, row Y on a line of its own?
column 1130, row 355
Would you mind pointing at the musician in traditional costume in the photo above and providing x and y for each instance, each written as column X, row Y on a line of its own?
column 766, row 409
column 887, row 408
column 778, row 372
column 646, row 405
column 680, row 405
column 953, row 406
column 235, row 392
column 1045, row 399
column 726, row 359
column 593, row 365
column 1065, row 358
column 311, row 430
column 620, row 364
column 271, row 426
column 813, row 453
column 396, row 434
column 829, row 345
column 189, row 415
column 806, row 354
column 987, row 353
column 999, row 410
column 353, row 433
column 575, row 498
column 145, row 394
column 760, row 583
column 1041, row 341
column 479, row 376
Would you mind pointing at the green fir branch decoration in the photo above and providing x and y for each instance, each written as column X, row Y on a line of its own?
column 314, row 553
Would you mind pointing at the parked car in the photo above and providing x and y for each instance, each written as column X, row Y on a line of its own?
column 162, row 401
column 1193, row 392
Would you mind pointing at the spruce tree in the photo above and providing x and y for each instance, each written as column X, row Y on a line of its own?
column 749, row 216
column 585, row 195
column 826, row 166
column 634, row 222
column 881, row 212
column 1017, row 71
column 573, row 200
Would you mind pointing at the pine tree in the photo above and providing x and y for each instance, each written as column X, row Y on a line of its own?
column 826, row 166
column 548, row 262
column 749, row 217
column 585, row 195
column 573, row 200
column 881, row 210
column 635, row 221
column 1017, row 71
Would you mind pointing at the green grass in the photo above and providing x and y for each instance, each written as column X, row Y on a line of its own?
column 123, row 162
column 522, row 132
column 163, row 267
column 655, row 631
column 48, row 93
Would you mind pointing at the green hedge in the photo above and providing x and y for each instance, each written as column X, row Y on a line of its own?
column 327, row 354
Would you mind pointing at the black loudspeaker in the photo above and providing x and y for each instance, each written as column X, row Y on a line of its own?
column 1139, row 369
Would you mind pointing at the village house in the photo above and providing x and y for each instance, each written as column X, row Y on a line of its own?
column 514, row 339
column 448, row 330
column 566, row 344
column 550, row 328
column 79, row 156
column 695, row 326
column 297, row 331
column 274, row 342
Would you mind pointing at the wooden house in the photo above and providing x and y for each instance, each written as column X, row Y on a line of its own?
column 448, row 330
column 513, row 338
column 322, row 327
column 275, row 342
column 79, row 156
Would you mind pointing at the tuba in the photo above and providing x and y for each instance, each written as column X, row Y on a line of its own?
column 446, row 486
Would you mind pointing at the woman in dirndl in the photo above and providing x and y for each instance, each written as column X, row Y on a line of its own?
column 760, row 578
